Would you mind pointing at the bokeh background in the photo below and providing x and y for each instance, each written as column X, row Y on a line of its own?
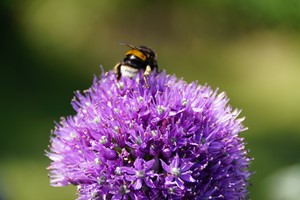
column 50, row 48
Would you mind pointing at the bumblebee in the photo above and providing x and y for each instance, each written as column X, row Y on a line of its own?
column 136, row 59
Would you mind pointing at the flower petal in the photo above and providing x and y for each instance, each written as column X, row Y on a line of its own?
column 165, row 166
column 130, row 177
column 149, row 164
column 186, row 166
column 179, row 183
column 169, row 179
column 175, row 162
column 138, row 163
column 138, row 184
column 187, row 177
column 149, row 182
column 128, row 170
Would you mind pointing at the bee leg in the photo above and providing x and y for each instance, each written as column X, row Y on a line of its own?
column 146, row 73
column 117, row 70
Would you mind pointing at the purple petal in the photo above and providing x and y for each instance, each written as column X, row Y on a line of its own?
column 165, row 166
column 117, row 197
column 175, row 161
column 138, row 184
column 149, row 164
column 109, row 153
column 130, row 178
column 179, row 183
column 186, row 166
column 128, row 170
column 169, row 179
column 149, row 182
column 187, row 177
column 138, row 163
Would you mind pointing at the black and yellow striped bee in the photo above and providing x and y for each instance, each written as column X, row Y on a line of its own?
column 136, row 59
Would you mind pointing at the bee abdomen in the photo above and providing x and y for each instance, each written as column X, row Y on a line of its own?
column 129, row 71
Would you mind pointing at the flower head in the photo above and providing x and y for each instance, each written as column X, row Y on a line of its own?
column 166, row 140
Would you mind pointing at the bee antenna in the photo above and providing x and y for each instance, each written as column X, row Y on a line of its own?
column 125, row 44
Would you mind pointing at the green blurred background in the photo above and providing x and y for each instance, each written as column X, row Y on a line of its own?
column 50, row 48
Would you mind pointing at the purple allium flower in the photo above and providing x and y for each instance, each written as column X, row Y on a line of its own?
column 178, row 174
column 170, row 140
